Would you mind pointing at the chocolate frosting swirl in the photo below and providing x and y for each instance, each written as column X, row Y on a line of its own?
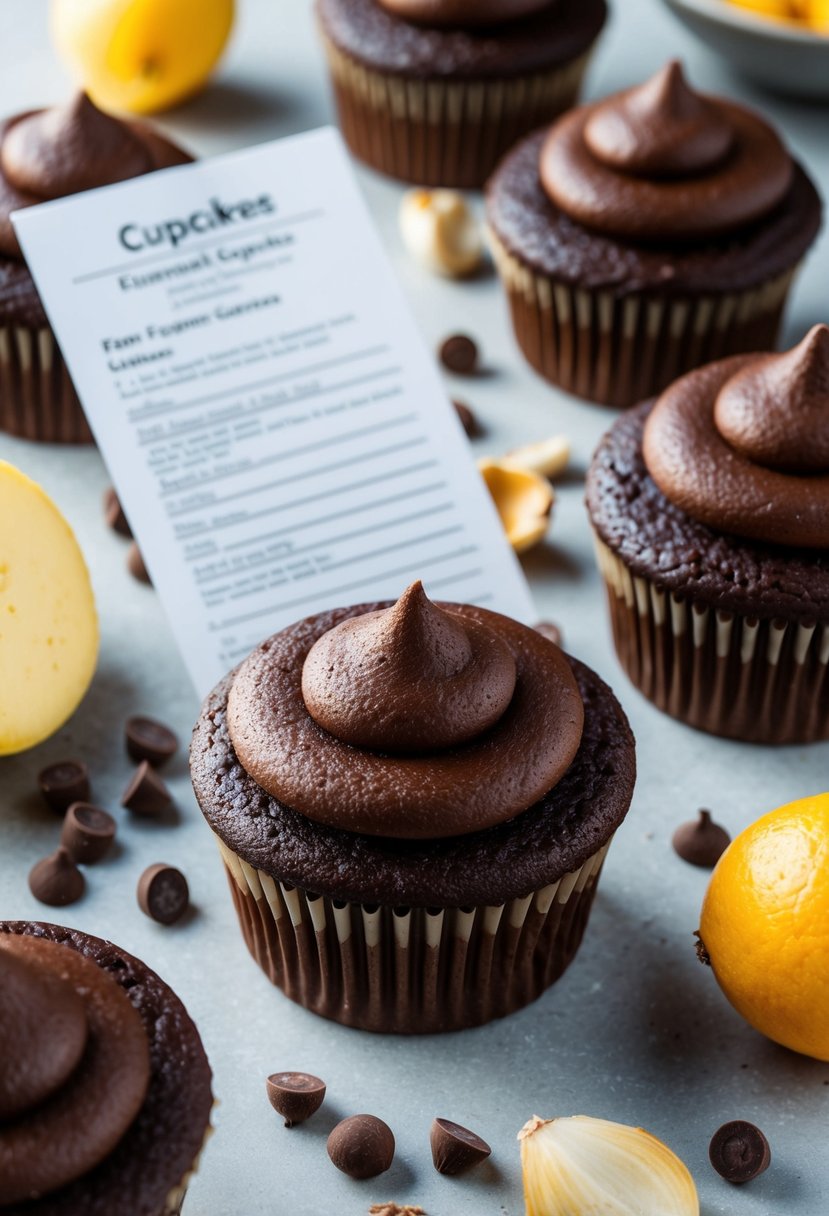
column 410, row 678
column 463, row 14
column 75, row 1067
column 46, row 154
column 419, row 720
column 661, row 162
column 742, row 445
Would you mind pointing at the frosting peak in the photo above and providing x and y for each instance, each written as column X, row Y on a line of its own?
column 409, row 678
column 743, row 444
column 463, row 13
column 411, row 720
column 775, row 411
column 44, row 1033
column 662, row 128
column 663, row 163
column 70, row 148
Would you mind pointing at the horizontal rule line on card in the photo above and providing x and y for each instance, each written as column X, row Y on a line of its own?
column 246, row 517
column 177, row 254
column 202, row 424
column 304, row 476
column 330, row 592
column 292, row 453
column 325, row 519
column 148, row 413
column 328, row 541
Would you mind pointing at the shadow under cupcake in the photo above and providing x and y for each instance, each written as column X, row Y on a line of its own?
column 413, row 803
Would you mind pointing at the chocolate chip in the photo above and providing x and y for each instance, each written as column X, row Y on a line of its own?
column 150, row 740
column 549, row 631
column 739, row 1151
column 146, row 793
column 135, row 565
column 362, row 1146
column 295, row 1095
column 163, row 893
column 56, row 880
column 468, row 420
column 700, row 841
column 64, row 783
column 88, row 832
column 455, row 1148
column 114, row 513
column 459, row 354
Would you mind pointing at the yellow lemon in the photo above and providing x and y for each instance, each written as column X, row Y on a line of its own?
column 765, row 925
column 141, row 55
column 48, row 624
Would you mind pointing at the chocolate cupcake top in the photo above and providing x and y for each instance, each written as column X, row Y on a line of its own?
column 414, row 721
column 662, row 162
column 463, row 13
column 462, row 39
column 61, row 1120
column 552, row 838
column 96, row 1065
column 47, row 154
column 742, row 445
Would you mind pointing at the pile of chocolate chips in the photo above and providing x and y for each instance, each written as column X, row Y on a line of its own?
column 363, row 1146
column 88, row 830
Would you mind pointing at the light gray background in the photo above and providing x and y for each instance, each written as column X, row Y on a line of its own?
column 637, row 1030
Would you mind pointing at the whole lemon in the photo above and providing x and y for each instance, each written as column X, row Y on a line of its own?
column 141, row 55
column 765, row 925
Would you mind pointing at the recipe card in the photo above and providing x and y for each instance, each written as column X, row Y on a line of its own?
column 275, row 427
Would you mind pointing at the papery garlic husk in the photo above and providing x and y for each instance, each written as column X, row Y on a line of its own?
column 549, row 457
column 440, row 231
column 580, row 1166
column 524, row 501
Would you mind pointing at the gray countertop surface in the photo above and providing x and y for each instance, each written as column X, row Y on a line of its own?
column 637, row 1030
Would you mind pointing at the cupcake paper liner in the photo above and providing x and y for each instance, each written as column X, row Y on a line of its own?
column 410, row 970
column 443, row 132
column 618, row 350
column 37, row 397
column 759, row 681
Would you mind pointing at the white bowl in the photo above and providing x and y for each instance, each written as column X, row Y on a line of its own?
column 788, row 58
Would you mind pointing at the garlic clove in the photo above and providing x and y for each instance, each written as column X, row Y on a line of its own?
column 580, row 1166
column 440, row 231
column 524, row 501
column 549, row 457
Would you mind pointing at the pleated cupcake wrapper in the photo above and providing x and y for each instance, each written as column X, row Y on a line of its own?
column 762, row 681
column 37, row 397
column 443, row 132
column 411, row 970
column 618, row 350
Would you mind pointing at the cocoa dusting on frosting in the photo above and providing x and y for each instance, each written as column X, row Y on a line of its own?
column 74, row 1071
column 662, row 162
column 742, row 445
column 415, row 721
column 46, row 154
column 463, row 13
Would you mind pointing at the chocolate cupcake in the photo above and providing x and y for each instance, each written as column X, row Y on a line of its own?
column 46, row 154
column 413, row 803
column 435, row 91
column 104, row 1085
column 647, row 234
column 711, row 514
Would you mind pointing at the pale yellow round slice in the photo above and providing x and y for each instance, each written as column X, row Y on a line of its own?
column 48, row 623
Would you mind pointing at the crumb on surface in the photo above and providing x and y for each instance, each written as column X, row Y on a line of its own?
column 394, row 1209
